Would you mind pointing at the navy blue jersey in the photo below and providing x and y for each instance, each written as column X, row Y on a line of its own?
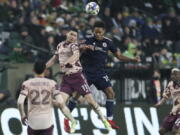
column 94, row 62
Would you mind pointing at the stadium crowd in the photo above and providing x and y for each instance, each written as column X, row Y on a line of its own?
column 32, row 29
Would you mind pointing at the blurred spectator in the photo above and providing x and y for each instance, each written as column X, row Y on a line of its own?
column 148, row 30
column 165, row 58
column 117, row 21
column 131, row 51
column 48, row 21
column 21, row 52
column 20, row 22
column 134, row 30
column 168, row 29
column 107, row 19
column 14, row 10
column 4, row 11
column 59, row 22
column 61, row 36
column 5, row 98
column 117, row 36
column 124, row 45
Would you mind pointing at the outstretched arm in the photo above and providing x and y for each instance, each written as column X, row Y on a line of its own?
column 20, row 103
column 166, row 96
column 161, row 102
column 124, row 58
column 51, row 61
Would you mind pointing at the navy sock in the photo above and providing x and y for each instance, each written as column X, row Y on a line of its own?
column 109, row 108
column 72, row 104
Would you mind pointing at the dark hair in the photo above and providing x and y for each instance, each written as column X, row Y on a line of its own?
column 39, row 67
column 73, row 29
column 99, row 24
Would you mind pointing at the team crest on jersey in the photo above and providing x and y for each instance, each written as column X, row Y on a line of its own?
column 104, row 44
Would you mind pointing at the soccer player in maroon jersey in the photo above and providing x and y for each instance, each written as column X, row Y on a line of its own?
column 40, row 92
column 172, row 121
column 68, row 54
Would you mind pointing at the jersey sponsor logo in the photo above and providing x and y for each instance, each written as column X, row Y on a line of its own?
column 104, row 44
column 106, row 78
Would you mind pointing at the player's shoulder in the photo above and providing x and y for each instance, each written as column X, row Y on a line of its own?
column 107, row 39
column 60, row 44
column 74, row 44
column 91, row 37
column 50, row 80
column 28, row 81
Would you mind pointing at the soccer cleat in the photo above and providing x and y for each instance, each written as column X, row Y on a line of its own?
column 113, row 124
column 66, row 125
column 107, row 125
column 73, row 126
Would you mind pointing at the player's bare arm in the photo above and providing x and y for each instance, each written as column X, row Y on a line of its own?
column 73, row 58
column 51, row 61
column 20, row 104
column 161, row 102
column 166, row 96
column 126, row 59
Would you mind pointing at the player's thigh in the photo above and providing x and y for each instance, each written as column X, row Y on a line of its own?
column 167, row 123
column 80, row 85
column 65, row 90
column 102, row 82
column 176, row 127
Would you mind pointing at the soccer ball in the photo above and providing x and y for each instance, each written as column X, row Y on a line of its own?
column 92, row 8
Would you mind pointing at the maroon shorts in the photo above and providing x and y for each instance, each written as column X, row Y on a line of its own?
column 48, row 131
column 75, row 82
column 171, row 121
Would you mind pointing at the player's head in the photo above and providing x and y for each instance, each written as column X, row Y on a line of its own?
column 39, row 67
column 72, row 35
column 175, row 74
column 99, row 30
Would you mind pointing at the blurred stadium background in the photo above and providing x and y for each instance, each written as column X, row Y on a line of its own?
column 150, row 29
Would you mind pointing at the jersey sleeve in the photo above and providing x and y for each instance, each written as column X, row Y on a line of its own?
column 55, row 90
column 24, row 89
column 74, row 47
column 112, row 47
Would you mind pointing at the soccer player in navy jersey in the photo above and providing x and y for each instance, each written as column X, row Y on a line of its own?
column 73, row 79
column 93, row 59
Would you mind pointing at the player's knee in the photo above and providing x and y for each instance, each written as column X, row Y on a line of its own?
column 89, row 98
column 162, row 131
